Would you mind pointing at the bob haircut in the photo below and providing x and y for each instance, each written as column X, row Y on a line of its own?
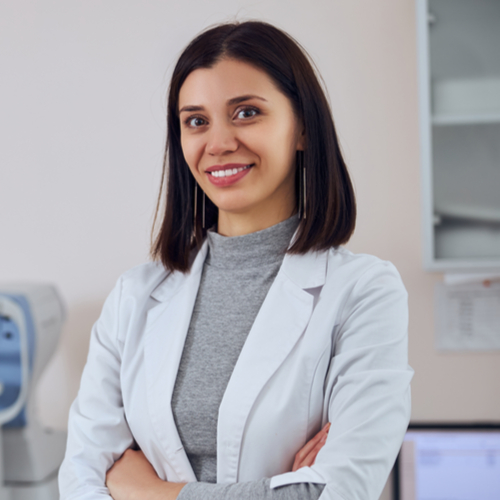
column 330, row 203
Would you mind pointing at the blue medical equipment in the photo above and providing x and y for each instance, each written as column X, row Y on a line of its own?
column 31, row 317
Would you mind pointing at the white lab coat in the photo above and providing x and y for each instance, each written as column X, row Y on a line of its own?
column 328, row 344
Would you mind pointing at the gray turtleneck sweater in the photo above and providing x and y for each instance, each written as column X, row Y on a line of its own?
column 237, row 275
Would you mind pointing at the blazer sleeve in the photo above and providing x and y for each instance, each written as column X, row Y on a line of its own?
column 98, row 433
column 367, row 390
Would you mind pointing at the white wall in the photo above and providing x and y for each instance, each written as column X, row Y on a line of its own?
column 82, row 126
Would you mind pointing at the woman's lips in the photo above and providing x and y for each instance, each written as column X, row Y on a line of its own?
column 226, row 175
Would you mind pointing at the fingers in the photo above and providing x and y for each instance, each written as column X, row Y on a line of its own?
column 307, row 455
column 314, row 441
column 311, row 457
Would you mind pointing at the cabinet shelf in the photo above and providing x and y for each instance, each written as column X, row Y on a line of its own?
column 466, row 101
column 444, row 119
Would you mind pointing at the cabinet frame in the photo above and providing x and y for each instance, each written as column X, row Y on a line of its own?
column 426, row 123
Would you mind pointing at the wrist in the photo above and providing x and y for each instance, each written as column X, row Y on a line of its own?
column 170, row 491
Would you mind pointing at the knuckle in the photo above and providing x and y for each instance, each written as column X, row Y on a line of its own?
column 110, row 476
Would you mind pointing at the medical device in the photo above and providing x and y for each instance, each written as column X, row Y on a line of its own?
column 31, row 317
column 449, row 461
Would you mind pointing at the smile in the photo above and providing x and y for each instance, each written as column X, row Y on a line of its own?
column 226, row 175
column 228, row 172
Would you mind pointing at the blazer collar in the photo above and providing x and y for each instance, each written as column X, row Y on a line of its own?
column 306, row 271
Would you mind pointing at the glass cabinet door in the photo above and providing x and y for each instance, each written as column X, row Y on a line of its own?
column 460, row 62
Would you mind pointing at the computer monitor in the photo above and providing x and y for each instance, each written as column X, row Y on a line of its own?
column 449, row 462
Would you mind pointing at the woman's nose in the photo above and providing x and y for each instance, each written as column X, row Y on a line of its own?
column 221, row 139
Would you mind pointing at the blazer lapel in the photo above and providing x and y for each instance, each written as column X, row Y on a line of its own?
column 281, row 321
column 166, row 329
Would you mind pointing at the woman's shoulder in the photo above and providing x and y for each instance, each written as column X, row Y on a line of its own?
column 355, row 267
column 145, row 273
column 132, row 297
column 143, row 279
column 341, row 256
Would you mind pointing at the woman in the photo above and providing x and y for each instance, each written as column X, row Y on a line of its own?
column 255, row 331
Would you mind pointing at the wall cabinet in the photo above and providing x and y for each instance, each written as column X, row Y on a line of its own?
column 459, row 84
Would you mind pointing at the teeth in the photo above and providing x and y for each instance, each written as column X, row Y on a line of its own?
column 228, row 172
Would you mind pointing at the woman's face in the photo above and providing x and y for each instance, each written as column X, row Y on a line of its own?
column 239, row 135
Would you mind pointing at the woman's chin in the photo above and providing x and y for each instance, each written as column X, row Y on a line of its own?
column 235, row 207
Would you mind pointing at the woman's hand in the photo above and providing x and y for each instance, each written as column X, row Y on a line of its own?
column 132, row 477
column 306, row 456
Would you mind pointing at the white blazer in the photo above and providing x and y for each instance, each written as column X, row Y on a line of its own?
column 328, row 344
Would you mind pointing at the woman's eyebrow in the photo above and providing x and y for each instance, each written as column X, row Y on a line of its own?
column 230, row 102
column 237, row 100
column 191, row 108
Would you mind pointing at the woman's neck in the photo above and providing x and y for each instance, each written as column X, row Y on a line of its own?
column 232, row 224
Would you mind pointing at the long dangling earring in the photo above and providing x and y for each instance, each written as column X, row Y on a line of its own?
column 195, row 209
column 302, row 184
column 304, row 191
column 299, row 170
column 203, row 212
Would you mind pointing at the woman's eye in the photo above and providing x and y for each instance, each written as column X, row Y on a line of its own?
column 246, row 113
column 195, row 122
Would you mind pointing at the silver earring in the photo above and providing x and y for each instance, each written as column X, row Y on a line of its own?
column 302, row 185
column 299, row 168
column 304, row 191
column 196, row 209
column 203, row 212
column 195, row 202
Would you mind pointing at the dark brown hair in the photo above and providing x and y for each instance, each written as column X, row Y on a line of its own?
column 330, row 202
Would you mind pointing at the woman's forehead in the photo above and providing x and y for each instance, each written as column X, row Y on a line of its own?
column 225, row 81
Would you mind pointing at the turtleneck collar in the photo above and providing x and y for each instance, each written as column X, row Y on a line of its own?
column 251, row 250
